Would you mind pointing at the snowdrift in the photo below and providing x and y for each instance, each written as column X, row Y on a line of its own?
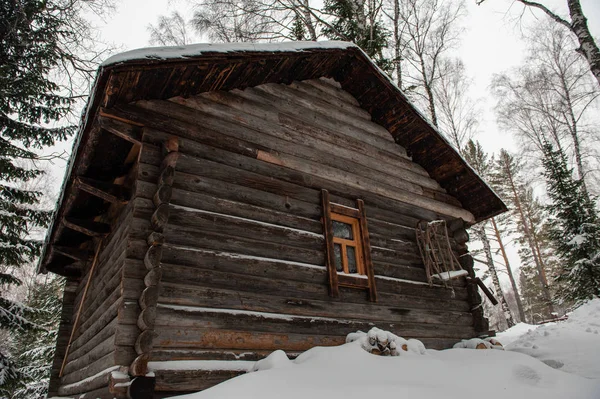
column 572, row 345
column 350, row 372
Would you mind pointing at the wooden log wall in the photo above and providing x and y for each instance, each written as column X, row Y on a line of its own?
column 243, row 258
column 93, row 353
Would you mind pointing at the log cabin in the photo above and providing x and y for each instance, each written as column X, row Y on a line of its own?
column 225, row 201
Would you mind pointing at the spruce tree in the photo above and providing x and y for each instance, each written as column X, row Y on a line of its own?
column 574, row 228
column 352, row 22
column 34, row 349
column 479, row 160
column 33, row 36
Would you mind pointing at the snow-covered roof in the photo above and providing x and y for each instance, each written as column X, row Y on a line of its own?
column 200, row 49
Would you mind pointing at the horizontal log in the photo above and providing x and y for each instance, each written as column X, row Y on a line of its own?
column 90, row 370
column 242, row 227
column 92, row 339
column 163, row 354
column 182, row 381
column 228, row 299
column 410, row 298
column 97, row 352
column 274, row 269
column 195, row 238
column 202, row 318
column 328, row 92
column 250, row 340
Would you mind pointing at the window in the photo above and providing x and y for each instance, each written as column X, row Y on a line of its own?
column 348, row 248
column 346, row 245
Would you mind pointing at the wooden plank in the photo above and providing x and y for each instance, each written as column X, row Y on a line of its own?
column 73, row 253
column 109, row 192
column 344, row 210
column 366, row 246
column 87, row 227
column 120, row 128
column 276, row 270
column 232, row 167
column 329, row 248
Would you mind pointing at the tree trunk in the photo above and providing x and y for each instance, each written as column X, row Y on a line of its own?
column 587, row 45
column 533, row 247
column 397, row 44
column 429, row 91
column 487, row 249
column 510, row 274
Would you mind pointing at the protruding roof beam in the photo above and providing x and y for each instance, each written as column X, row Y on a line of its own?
column 126, row 131
column 107, row 191
column 87, row 227
column 73, row 253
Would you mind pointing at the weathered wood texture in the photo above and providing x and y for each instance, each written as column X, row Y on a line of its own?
column 93, row 347
column 242, row 259
column 224, row 258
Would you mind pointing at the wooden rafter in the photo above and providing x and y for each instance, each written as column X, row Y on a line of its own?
column 87, row 227
column 126, row 131
column 109, row 192
column 73, row 253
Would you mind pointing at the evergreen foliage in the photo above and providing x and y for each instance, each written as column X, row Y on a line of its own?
column 34, row 349
column 574, row 228
column 351, row 24
column 34, row 36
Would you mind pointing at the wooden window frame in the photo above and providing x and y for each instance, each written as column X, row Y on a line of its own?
column 358, row 220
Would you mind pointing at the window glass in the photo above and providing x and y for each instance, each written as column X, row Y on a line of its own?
column 342, row 230
column 337, row 252
column 351, row 254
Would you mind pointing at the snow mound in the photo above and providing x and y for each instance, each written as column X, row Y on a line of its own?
column 385, row 343
column 572, row 345
column 476, row 343
column 349, row 372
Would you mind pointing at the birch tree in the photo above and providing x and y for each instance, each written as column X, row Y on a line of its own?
column 170, row 31
column 576, row 23
column 426, row 29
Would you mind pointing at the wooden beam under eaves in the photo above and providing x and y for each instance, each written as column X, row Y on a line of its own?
column 73, row 253
column 87, row 227
column 113, row 193
column 124, row 130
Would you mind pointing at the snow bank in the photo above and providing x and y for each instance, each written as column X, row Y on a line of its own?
column 572, row 345
column 515, row 332
column 349, row 372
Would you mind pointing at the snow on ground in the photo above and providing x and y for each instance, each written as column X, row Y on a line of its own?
column 515, row 332
column 572, row 345
column 350, row 372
